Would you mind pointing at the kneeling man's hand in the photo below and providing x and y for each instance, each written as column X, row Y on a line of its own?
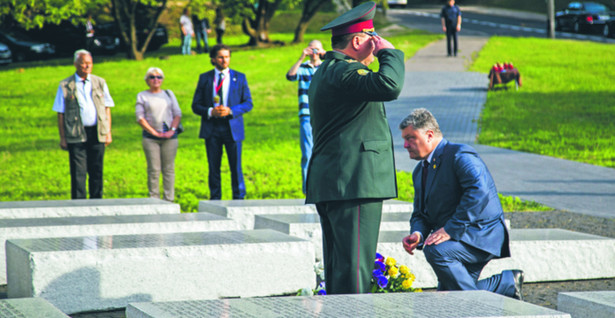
column 411, row 242
column 437, row 237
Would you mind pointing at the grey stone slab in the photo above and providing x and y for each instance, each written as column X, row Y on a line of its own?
column 64, row 208
column 108, row 225
column 28, row 308
column 79, row 274
column 543, row 254
column 307, row 225
column 591, row 304
column 243, row 211
column 441, row 304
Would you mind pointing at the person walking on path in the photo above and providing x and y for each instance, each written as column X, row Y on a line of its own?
column 158, row 113
column 83, row 104
column 457, row 219
column 304, row 73
column 451, row 24
column 351, row 170
column 187, row 31
column 221, row 98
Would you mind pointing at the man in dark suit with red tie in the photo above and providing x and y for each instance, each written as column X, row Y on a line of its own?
column 221, row 98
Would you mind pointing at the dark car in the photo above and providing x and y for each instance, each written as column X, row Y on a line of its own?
column 159, row 38
column 24, row 48
column 582, row 17
column 609, row 28
column 68, row 38
column 5, row 54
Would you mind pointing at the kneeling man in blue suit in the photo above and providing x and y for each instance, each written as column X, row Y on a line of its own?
column 458, row 220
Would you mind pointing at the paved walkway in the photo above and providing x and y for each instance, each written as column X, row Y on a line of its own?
column 456, row 98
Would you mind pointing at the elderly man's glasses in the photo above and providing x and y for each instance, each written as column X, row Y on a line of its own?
column 155, row 77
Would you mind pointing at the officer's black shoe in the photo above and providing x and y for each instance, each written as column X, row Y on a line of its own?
column 518, row 279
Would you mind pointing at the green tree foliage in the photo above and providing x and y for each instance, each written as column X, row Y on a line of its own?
column 31, row 14
column 128, row 15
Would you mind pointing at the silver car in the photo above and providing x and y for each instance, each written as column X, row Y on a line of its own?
column 5, row 54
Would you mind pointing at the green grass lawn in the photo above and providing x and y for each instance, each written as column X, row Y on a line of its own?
column 33, row 167
column 566, row 107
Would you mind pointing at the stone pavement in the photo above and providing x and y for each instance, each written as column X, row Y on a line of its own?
column 456, row 98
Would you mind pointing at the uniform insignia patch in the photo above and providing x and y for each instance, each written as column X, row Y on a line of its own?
column 362, row 72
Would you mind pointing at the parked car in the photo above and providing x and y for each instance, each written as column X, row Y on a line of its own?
column 609, row 27
column 68, row 38
column 5, row 54
column 582, row 17
column 24, row 48
column 159, row 38
column 397, row 3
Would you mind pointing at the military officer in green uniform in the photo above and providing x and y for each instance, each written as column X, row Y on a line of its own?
column 352, row 169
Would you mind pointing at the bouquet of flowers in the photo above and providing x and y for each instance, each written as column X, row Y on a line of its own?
column 389, row 277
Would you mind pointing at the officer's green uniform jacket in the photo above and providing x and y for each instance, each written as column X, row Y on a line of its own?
column 353, row 148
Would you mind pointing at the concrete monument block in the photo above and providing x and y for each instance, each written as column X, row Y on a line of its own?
column 108, row 225
column 29, row 308
column 79, row 274
column 543, row 254
column 244, row 211
column 307, row 225
column 476, row 304
column 592, row 304
column 64, row 208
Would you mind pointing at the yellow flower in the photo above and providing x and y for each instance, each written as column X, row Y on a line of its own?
column 393, row 271
column 404, row 269
column 390, row 261
column 406, row 284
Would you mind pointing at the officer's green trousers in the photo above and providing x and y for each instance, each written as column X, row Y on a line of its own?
column 349, row 236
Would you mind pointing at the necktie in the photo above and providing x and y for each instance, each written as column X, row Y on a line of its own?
column 219, row 88
column 424, row 180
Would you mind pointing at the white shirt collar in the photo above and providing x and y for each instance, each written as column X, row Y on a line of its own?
column 225, row 72
column 79, row 80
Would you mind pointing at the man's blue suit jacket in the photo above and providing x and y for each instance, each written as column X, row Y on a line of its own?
column 239, row 100
column 460, row 196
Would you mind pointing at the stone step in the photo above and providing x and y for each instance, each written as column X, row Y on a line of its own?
column 29, row 308
column 477, row 304
column 543, row 254
column 80, row 274
column 108, row 225
column 64, row 208
column 591, row 304
column 244, row 211
column 307, row 225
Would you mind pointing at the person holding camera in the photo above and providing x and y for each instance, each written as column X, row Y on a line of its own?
column 303, row 72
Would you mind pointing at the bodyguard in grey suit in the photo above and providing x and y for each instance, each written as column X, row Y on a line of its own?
column 458, row 220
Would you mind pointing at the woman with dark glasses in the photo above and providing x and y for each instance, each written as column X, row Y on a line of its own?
column 159, row 115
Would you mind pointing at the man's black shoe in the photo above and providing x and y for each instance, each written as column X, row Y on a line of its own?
column 518, row 279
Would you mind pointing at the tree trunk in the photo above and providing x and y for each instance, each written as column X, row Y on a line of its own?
column 125, row 13
column 310, row 8
column 258, row 28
